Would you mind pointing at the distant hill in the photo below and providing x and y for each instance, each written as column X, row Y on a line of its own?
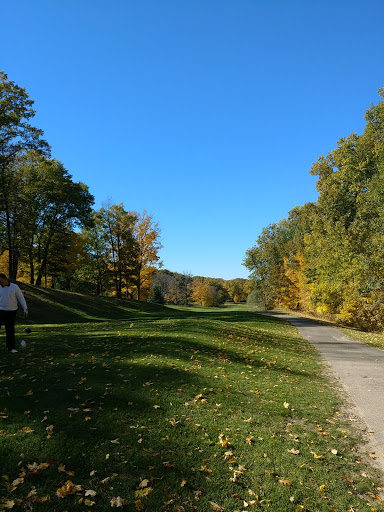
column 48, row 306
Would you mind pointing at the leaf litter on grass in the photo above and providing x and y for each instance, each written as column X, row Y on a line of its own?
column 188, row 415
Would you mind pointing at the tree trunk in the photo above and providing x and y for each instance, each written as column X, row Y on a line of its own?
column 138, row 282
column 31, row 265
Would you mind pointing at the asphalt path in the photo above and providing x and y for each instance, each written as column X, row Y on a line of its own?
column 359, row 368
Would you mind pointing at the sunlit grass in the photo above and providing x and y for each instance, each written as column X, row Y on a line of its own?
column 375, row 339
column 184, row 410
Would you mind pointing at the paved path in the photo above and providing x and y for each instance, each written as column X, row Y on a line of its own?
column 360, row 369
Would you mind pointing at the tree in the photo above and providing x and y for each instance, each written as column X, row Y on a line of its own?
column 118, row 226
column 156, row 297
column 45, row 202
column 148, row 245
column 96, row 271
column 16, row 137
column 327, row 257
column 208, row 292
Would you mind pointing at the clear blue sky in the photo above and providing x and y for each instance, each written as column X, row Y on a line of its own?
column 206, row 113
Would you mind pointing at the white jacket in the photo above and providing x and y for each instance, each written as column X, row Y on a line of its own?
column 9, row 295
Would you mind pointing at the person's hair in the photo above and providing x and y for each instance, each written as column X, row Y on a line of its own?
column 3, row 276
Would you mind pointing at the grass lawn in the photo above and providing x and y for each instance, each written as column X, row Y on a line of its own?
column 162, row 409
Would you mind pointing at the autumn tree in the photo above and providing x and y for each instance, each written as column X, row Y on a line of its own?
column 327, row 256
column 16, row 137
column 238, row 289
column 147, row 240
column 208, row 292
column 175, row 287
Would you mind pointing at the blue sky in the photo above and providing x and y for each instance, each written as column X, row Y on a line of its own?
column 206, row 113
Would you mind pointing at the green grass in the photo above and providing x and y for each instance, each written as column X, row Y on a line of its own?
column 172, row 410
column 375, row 339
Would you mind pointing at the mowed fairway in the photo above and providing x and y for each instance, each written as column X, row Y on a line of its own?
column 175, row 410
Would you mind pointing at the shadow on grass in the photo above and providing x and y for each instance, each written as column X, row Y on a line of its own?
column 116, row 404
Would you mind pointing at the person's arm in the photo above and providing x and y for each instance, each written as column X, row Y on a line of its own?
column 20, row 298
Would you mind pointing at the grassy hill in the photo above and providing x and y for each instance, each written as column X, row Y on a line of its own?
column 47, row 306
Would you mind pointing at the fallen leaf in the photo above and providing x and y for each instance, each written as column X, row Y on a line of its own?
column 26, row 430
column 214, row 506
column 67, row 489
column 8, row 504
column 117, row 502
column 293, row 451
column 143, row 483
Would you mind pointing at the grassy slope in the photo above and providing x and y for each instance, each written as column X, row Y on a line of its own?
column 172, row 410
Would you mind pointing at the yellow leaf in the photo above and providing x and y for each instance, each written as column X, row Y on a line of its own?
column 183, row 482
column 68, row 488
column 249, row 440
column 89, row 503
column 141, row 493
column 8, row 504
column 15, row 483
column 223, row 442
column 143, row 483
column 286, row 405
column 214, row 506
column 139, row 504
column 26, row 430
column 293, row 451
column 285, row 482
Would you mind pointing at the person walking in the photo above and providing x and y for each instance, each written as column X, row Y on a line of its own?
column 10, row 294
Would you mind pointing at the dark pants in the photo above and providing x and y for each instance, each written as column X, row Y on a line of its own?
column 7, row 318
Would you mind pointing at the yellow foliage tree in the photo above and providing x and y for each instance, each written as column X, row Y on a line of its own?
column 296, row 293
column 147, row 240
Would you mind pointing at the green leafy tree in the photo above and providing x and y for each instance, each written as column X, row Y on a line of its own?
column 118, row 227
column 16, row 137
column 156, row 297
column 96, row 271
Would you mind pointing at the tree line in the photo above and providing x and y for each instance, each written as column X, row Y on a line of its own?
column 327, row 257
column 49, row 232
column 176, row 288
